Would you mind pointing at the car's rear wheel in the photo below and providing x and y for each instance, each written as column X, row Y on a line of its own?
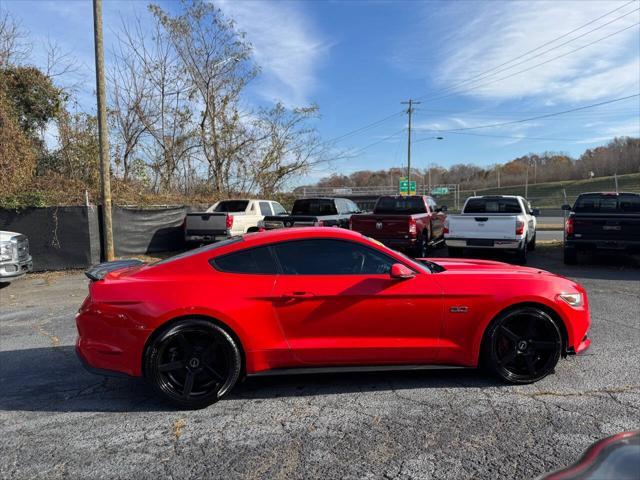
column 532, row 243
column 193, row 363
column 522, row 345
column 521, row 254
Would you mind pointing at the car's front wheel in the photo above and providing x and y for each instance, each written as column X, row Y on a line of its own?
column 193, row 363
column 522, row 345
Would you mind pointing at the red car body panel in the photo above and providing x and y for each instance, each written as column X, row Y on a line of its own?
column 286, row 321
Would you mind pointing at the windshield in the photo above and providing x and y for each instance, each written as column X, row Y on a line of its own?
column 492, row 205
column 598, row 202
column 400, row 205
column 314, row 207
column 232, row 206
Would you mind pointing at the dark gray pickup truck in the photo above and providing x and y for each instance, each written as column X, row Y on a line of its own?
column 314, row 212
column 602, row 221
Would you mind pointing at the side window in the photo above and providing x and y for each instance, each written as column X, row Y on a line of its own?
column 340, row 205
column 432, row 204
column 353, row 207
column 331, row 257
column 265, row 209
column 277, row 208
column 255, row 260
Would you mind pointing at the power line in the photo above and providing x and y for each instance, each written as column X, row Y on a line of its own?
column 366, row 127
column 493, row 69
column 517, row 137
column 536, row 65
column 554, row 114
column 360, row 150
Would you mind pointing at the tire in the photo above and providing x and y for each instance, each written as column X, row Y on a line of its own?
column 521, row 254
column 421, row 250
column 532, row 243
column 192, row 363
column 522, row 345
column 454, row 252
column 570, row 256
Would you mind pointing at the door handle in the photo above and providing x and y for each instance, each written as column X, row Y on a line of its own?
column 297, row 295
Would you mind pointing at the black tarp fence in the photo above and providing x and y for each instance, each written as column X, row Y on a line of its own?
column 59, row 237
column 148, row 230
column 70, row 237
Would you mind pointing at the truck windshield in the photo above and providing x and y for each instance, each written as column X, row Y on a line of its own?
column 232, row 206
column 601, row 202
column 492, row 205
column 400, row 205
column 314, row 207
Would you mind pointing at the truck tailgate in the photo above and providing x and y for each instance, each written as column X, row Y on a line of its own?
column 604, row 226
column 381, row 226
column 482, row 226
column 206, row 223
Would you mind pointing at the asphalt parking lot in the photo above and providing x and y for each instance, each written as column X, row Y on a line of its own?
column 58, row 421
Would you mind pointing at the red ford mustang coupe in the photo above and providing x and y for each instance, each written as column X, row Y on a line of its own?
column 196, row 323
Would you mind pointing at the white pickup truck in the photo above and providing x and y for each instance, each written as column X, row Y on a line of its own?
column 492, row 222
column 228, row 218
column 15, row 260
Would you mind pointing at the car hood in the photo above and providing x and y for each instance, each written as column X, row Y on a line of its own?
column 464, row 265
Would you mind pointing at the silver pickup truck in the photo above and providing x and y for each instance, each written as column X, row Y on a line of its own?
column 15, row 260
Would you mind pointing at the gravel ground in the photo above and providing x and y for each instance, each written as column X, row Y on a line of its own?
column 57, row 421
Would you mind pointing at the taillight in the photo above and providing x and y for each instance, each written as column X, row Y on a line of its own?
column 413, row 228
column 446, row 226
column 519, row 227
column 229, row 222
column 568, row 226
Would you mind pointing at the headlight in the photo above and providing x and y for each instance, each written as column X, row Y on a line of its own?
column 573, row 299
column 6, row 251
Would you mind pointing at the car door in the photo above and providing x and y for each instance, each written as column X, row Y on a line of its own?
column 337, row 304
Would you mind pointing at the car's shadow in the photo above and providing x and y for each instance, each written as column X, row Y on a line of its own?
column 53, row 380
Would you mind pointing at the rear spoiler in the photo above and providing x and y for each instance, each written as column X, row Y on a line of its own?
column 99, row 271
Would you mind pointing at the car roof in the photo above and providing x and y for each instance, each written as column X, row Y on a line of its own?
column 299, row 233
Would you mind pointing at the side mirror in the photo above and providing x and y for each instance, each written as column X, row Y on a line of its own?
column 441, row 208
column 399, row 271
column 566, row 207
column 535, row 212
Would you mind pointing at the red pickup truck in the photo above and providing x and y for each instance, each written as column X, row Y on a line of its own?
column 411, row 223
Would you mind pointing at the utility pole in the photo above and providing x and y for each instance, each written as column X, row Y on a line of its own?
column 411, row 103
column 103, row 137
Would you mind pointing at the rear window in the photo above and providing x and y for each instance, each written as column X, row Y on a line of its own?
column 256, row 260
column 595, row 203
column 493, row 205
column 400, row 205
column 232, row 206
column 314, row 207
column 204, row 248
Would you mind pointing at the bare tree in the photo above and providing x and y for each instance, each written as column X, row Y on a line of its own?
column 216, row 60
column 286, row 146
column 14, row 48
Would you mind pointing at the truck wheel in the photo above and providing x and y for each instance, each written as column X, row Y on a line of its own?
column 522, row 254
column 454, row 252
column 422, row 248
column 570, row 256
column 532, row 243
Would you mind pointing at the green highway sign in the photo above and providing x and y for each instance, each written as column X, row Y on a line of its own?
column 407, row 188
column 439, row 191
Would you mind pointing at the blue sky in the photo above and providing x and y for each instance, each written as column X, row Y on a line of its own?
column 358, row 60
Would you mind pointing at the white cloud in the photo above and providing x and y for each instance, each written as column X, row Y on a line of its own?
column 286, row 47
column 501, row 31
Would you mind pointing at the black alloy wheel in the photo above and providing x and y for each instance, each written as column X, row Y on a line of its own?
column 522, row 345
column 532, row 243
column 521, row 254
column 193, row 363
